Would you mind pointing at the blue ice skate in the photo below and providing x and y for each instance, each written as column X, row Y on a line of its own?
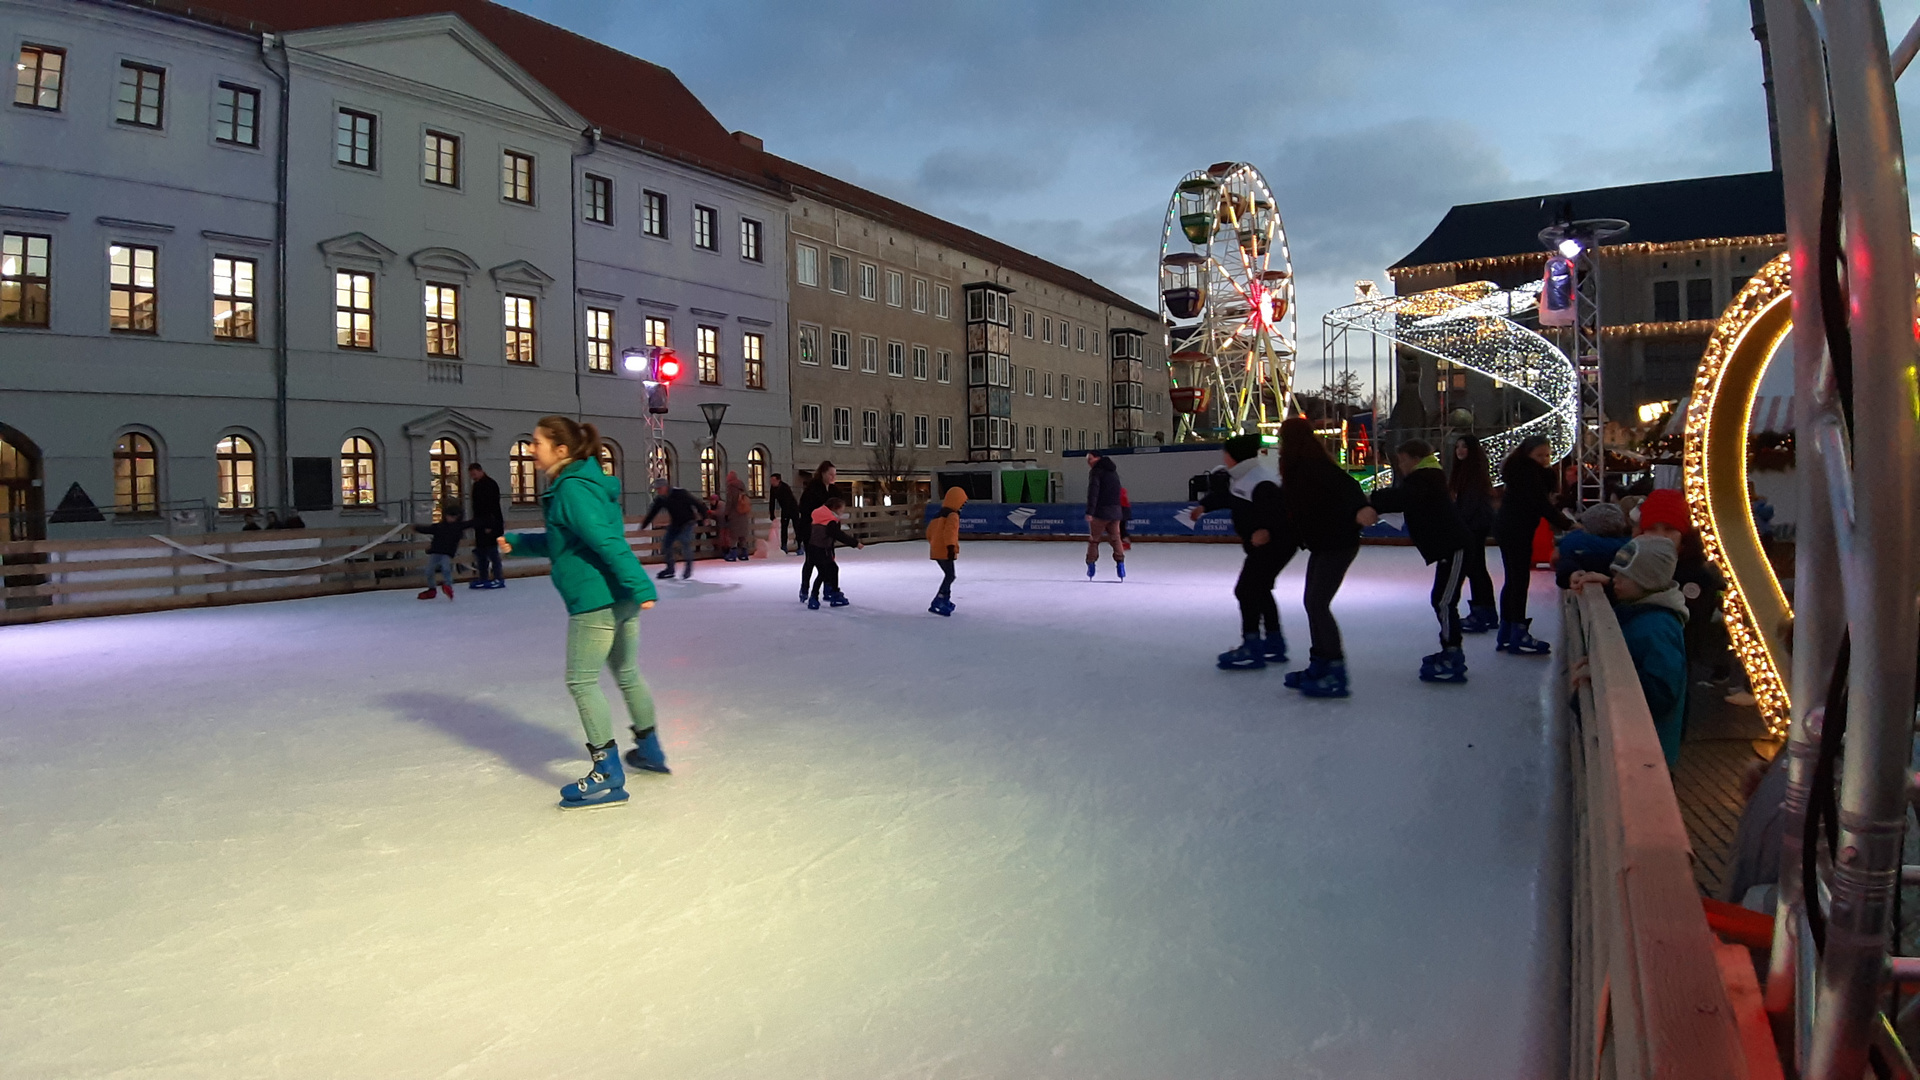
column 813, row 603
column 1517, row 641
column 1120, row 570
column 1090, row 569
column 1332, row 682
column 1479, row 620
column 1446, row 666
column 1250, row 656
column 1314, row 669
column 646, row 754
column 836, row 598
column 1274, row 648
column 941, row 606
column 606, row 785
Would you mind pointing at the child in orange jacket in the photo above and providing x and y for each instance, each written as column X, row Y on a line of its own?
column 943, row 546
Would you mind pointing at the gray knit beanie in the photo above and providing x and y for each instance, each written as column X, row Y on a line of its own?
column 1605, row 519
column 1647, row 561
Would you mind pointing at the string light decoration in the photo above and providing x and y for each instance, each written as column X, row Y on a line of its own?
column 1607, row 253
column 1749, row 333
column 1472, row 325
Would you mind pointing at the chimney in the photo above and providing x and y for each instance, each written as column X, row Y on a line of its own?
column 751, row 142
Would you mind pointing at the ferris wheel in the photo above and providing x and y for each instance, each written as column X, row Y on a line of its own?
column 1226, row 289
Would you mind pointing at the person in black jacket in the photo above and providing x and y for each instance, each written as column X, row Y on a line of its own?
column 1471, row 483
column 1103, row 513
column 683, row 510
column 1434, row 525
column 781, row 504
column 1326, row 509
column 818, row 490
column 823, row 535
column 1251, row 489
column 1528, row 476
column 443, row 547
column 488, row 526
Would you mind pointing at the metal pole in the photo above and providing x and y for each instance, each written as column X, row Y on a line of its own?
column 1818, row 607
column 1880, row 575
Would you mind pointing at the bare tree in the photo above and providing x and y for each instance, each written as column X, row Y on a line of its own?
column 893, row 460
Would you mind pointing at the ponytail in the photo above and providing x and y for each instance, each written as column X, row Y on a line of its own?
column 581, row 441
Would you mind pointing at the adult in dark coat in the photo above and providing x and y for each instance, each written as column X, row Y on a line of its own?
column 1471, row 483
column 1250, row 488
column 1528, row 476
column 1103, row 513
column 819, row 489
column 1326, row 509
column 488, row 526
column 782, row 505
column 1434, row 526
column 683, row 511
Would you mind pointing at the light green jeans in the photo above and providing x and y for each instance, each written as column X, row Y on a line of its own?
column 610, row 638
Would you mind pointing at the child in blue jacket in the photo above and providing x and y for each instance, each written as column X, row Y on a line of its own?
column 1653, row 619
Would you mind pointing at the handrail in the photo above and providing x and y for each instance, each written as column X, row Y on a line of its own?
column 1648, row 994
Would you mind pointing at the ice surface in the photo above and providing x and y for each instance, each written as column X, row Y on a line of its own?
column 1043, row 838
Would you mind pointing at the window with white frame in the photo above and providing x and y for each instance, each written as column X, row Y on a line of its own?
column 897, row 359
column 1080, row 387
column 750, row 240
column 440, row 159
column 1046, row 440
column 808, row 344
column 945, row 432
column 1026, row 322
column 599, row 339
column 920, row 362
column 870, row 355
column 1080, row 338
column 942, row 302
column 897, row 429
column 1096, row 391
column 1030, row 438
column 810, row 423
column 895, row 281
column 920, row 295
column 143, row 92
column 1046, row 385
column 869, row 282
column 236, row 114
column 706, row 233
column 653, row 214
column 753, row 360
column 842, row 425
column 806, row 265
column 1046, row 330
column 516, row 177
column 870, row 427
column 839, row 273
column 598, row 207
column 1030, row 382
column 920, row 432
column 943, row 366
column 1063, row 334
column 840, row 349
column 233, row 299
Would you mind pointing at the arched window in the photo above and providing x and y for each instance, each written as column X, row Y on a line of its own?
column 710, row 471
column 238, row 464
column 757, row 472
column 443, row 467
column 660, row 463
column 357, row 484
column 136, row 475
column 610, row 458
column 522, row 474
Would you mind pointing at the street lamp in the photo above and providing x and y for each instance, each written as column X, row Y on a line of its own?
column 714, row 411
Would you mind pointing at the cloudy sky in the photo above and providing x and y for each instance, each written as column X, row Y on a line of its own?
column 1061, row 127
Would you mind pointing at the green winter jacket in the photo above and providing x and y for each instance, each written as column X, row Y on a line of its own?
column 586, row 541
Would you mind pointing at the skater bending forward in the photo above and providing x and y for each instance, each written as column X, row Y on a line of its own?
column 823, row 536
column 1326, row 509
column 1434, row 524
column 1251, row 489
column 605, row 590
column 943, row 547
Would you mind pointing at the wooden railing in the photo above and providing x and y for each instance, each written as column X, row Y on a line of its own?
column 1653, row 992
column 63, row 579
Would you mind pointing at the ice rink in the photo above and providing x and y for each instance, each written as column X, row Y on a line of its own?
column 1043, row 838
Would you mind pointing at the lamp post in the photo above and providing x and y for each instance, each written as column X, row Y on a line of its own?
column 714, row 411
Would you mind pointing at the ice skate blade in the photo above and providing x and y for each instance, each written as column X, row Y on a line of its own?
column 615, row 797
column 1457, row 677
column 642, row 765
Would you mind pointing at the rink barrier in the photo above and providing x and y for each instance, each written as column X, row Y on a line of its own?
column 42, row 580
column 1653, row 993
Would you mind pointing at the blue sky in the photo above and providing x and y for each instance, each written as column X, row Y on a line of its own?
column 1062, row 127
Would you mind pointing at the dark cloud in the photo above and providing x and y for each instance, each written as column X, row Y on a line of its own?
column 958, row 170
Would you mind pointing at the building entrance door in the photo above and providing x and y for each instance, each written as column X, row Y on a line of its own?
column 20, row 487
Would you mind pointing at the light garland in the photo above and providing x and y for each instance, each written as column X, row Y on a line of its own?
column 1609, row 251
column 1471, row 325
column 1736, row 358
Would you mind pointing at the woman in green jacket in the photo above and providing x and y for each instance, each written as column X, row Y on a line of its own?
column 605, row 590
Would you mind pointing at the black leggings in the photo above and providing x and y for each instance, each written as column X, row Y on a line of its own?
column 829, row 572
column 1516, row 555
column 946, row 581
column 1446, row 597
column 1325, row 571
column 1475, row 573
column 1254, row 590
column 807, row 567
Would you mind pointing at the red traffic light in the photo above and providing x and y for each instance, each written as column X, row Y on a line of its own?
column 668, row 368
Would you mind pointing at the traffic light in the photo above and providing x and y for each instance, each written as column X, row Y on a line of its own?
column 657, row 367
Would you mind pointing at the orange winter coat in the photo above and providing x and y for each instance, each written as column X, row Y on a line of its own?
column 943, row 532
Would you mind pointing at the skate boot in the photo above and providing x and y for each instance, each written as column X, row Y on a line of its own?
column 497, row 583
column 1274, row 647
column 1120, row 570
column 1314, row 669
column 667, row 574
column 813, row 603
column 429, row 594
column 1479, row 620
column 1332, row 682
column 1448, row 665
column 1250, row 656
column 479, row 583
column 941, row 606
column 646, row 754
column 447, row 590
column 1090, row 568
column 836, row 598
column 1521, row 643
column 606, row 785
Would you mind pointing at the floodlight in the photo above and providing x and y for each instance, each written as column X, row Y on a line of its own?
column 1570, row 248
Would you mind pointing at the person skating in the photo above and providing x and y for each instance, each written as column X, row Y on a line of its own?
column 1471, row 483
column 826, row 534
column 488, row 525
column 1434, row 526
column 782, row 506
column 443, row 546
column 1103, row 513
column 819, row 488
column 1528, row 476
column 1326, row 509
column 604, row 589
column 943, row 546
column 736, row 517
column 1251, row 490
column 683, row 511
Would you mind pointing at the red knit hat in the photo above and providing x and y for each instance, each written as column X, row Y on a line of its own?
column 1665, row 507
